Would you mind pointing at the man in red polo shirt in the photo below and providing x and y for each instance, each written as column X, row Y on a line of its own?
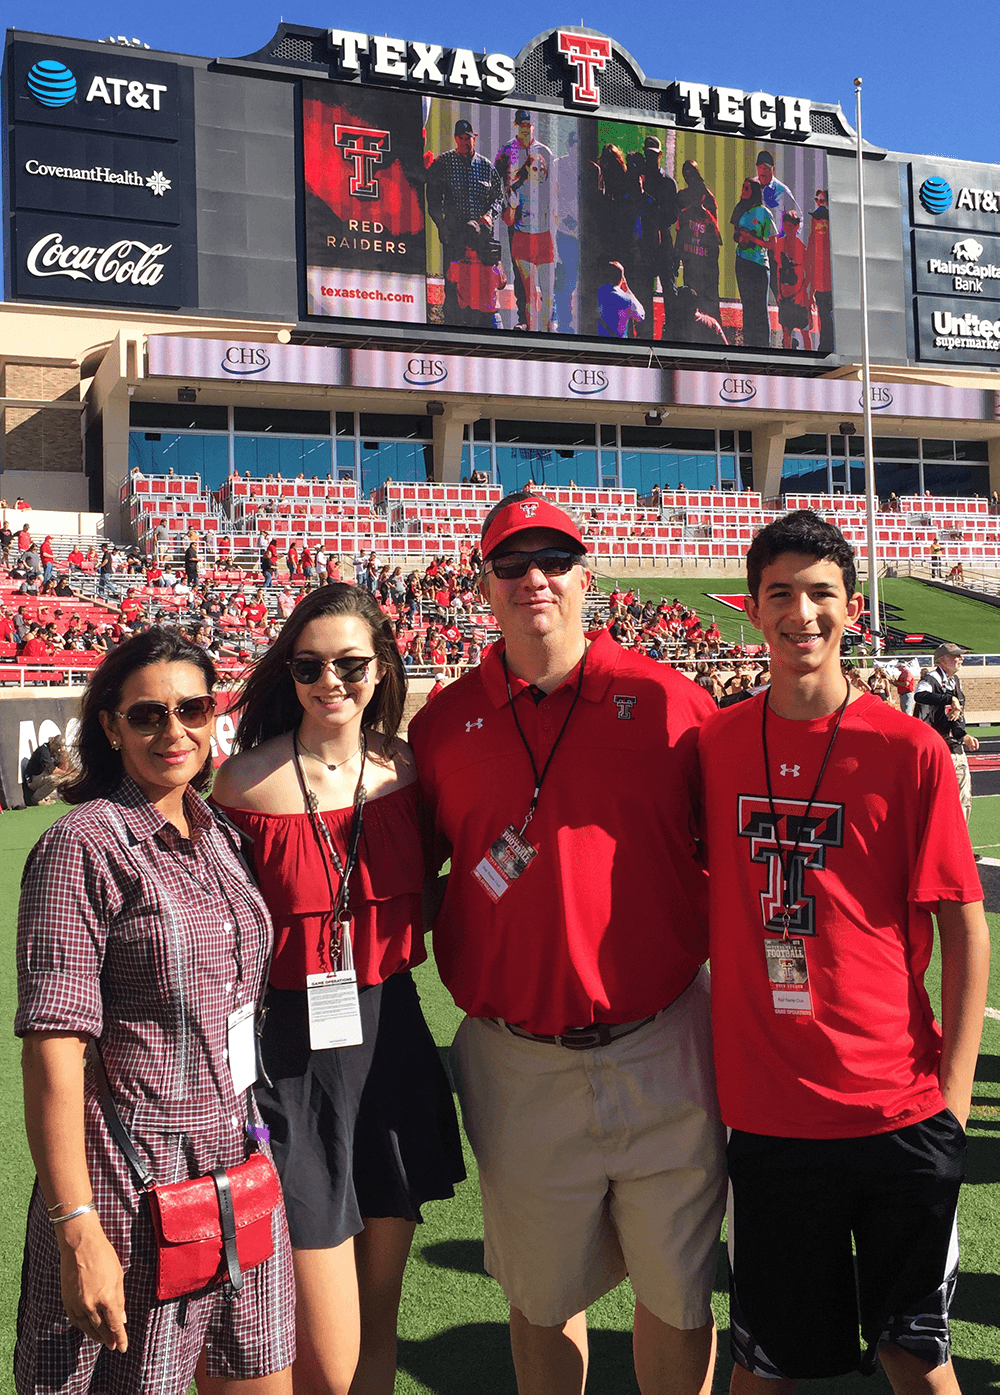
column 558, row 773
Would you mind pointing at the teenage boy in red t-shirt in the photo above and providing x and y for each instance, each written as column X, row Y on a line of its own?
column 830, row 844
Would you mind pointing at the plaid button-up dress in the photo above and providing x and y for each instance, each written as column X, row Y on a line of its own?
column 146, row 941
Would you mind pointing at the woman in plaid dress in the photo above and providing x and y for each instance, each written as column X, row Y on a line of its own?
column 138, row 928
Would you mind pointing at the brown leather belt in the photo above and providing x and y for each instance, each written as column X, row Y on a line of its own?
column 583, row 1038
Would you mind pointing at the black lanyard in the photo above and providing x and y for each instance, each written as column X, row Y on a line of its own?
column 786, row 864
column 328, row 849
column 539, row 779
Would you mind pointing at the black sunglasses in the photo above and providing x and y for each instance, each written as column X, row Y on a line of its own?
column 353, row 669
column 150, row 718
column 553, row 561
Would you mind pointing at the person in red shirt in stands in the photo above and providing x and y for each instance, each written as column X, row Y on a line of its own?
column 35, row 647
column 333, row 568
column 292, row 558
column 270, row 560
column 23, row 541
column 7, row 631
column 74, row 559
column 131, row 606
column 255, row 613
column 47, row 557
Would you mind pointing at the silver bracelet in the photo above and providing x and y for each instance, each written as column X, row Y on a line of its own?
column 72, row 1215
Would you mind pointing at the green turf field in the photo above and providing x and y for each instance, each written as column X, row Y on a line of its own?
column 923, row 608
column 453, row 1334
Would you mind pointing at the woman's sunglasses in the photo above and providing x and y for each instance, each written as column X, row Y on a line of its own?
column 150, row 718
column 551, row 560
column 353, row 669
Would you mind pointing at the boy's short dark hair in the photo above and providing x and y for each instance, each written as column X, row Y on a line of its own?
column 805, row 532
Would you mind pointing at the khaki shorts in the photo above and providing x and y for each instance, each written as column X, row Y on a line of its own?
column 597, row 1164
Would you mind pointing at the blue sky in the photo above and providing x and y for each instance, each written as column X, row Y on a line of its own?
column 928, row 80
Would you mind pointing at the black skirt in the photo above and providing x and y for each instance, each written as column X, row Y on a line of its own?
column 358, row 1131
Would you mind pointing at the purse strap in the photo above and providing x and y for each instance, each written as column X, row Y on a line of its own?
column 109, row 1107
column 227, row 1219
column 116, row 1124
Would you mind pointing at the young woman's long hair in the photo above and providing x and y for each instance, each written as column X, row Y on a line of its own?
column 269, row 704
column 100, row 766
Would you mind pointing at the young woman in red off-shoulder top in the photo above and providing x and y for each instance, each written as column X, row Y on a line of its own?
column 362, row 1132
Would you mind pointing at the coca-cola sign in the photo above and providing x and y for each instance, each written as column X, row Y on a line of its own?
column 126, row 262
column 101, row 260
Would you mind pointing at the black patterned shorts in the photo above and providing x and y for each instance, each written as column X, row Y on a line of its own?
column 803, row 1298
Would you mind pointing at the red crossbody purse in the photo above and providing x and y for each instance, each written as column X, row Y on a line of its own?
column 209, row 1229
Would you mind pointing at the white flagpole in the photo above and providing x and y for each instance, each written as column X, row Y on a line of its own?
column 866, row 389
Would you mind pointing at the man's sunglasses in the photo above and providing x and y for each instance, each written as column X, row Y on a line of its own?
column 150, row 718
column 353, row 669
column 553, row 561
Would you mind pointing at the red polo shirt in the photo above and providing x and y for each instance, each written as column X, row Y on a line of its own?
column 605, row 924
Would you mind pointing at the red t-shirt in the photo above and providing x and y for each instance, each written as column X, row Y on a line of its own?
column 888, row 841
column 386, row 887
column 255, row 613
column 604, row 925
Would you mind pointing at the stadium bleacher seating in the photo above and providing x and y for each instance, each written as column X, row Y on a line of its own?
column 416, row 521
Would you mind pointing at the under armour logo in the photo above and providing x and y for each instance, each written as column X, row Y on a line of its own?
column 624, row 705
column 529, row 510
column 792, row 770
column 477, row 723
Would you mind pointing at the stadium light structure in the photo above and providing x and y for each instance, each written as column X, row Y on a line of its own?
column 874, row 613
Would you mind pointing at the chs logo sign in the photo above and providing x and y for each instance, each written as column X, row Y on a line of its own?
column 242, row 360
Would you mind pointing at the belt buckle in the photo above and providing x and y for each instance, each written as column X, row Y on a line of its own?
column 585, row 1038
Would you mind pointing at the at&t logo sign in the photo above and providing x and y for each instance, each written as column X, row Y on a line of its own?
column 935, row 195
column 52, row 84
column 587, row 381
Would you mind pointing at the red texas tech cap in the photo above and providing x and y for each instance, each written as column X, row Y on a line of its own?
column 521, row 514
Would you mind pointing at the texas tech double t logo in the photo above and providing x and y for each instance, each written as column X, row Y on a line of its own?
column 823, row 829
column 365, row 148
